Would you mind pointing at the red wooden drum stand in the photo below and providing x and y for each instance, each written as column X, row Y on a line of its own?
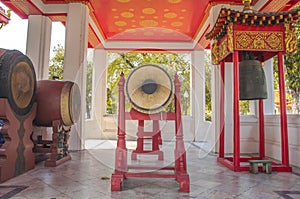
column 16, row 156
column 121, row 166
column 154, row 136
column 57, row 147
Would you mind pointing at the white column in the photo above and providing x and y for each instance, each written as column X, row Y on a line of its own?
column 228, row 106
column 99, row 82
column 76, row 63
column 269, row 103
column 215, row 89
column 38, row 44
column 198, row 96
column 96, row 126
column 215, row 106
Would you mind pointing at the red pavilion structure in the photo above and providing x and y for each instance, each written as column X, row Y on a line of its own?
column 265, row 34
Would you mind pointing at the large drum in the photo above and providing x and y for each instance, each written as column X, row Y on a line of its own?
column 17, row 80
column 57, row 100
column 149, row 89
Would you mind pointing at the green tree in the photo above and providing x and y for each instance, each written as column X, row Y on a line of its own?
column 208, row 74
column 89, row 86
column 292, row 71
column 56, row 68
column 126, row 62
column 244, row 107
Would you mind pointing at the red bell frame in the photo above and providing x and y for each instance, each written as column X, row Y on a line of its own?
column 233, row 163
column 265, row 35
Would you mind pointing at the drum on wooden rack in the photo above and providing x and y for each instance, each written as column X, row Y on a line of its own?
column 57, row 100
column 17, row 80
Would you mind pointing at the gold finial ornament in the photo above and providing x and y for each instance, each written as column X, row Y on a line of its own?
column 8, row 13
column 4, row 18
column 247, row 6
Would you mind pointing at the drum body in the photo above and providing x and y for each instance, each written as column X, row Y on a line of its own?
column 57, row 100
column 17, row 81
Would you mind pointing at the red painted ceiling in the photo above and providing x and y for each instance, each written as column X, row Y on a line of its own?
column 145, row 20
column 171, row 20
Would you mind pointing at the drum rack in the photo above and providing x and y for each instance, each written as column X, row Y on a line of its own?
column 57, row 147
column 16, row 156
column 154, row 135
column 122, row 168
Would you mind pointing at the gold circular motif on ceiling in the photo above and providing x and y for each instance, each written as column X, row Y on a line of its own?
column 148, row 23
column 167, row 31
column 127, row 14
column 166, row 10
column 120, row 23
column 155, row 17
column 148, row 33
column 114, row 9
column 124, row 1
column 149, row 11
column 174, row 1
column 170, row 15
column 130, row 30
column 177, row 23
column 116, row 17
column 183, row 10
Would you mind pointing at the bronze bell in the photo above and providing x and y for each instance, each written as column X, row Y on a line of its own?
column 252, row 78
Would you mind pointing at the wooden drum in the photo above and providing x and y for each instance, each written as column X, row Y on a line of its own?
column 57, row 100
column 17, row 80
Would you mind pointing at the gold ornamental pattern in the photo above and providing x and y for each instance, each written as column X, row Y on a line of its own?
column 290, row 38
column 259, row 40
column 223, row 49
column 230, row 37
column 215, row 53
column 220, row 50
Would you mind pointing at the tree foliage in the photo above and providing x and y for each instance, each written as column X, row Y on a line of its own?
column 125, row 62
column 208, row 75
column 292, row 71
column 89, row 87
column 56, row 67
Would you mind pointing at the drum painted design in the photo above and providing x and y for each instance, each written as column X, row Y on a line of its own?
column 17, row 80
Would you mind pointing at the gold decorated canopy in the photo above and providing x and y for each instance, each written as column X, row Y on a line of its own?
column 253, row 31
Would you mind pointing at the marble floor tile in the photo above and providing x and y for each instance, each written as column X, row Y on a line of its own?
column 87, row 176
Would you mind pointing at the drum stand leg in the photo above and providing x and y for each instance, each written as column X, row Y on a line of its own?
column 59, row 148
column 180, row 154
column 121, row 150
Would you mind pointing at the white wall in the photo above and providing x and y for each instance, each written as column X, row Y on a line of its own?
column 273, row 138
column 109, row 129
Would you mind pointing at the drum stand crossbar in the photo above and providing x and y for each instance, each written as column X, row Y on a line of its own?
column 154, row 136
column 122, row 168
